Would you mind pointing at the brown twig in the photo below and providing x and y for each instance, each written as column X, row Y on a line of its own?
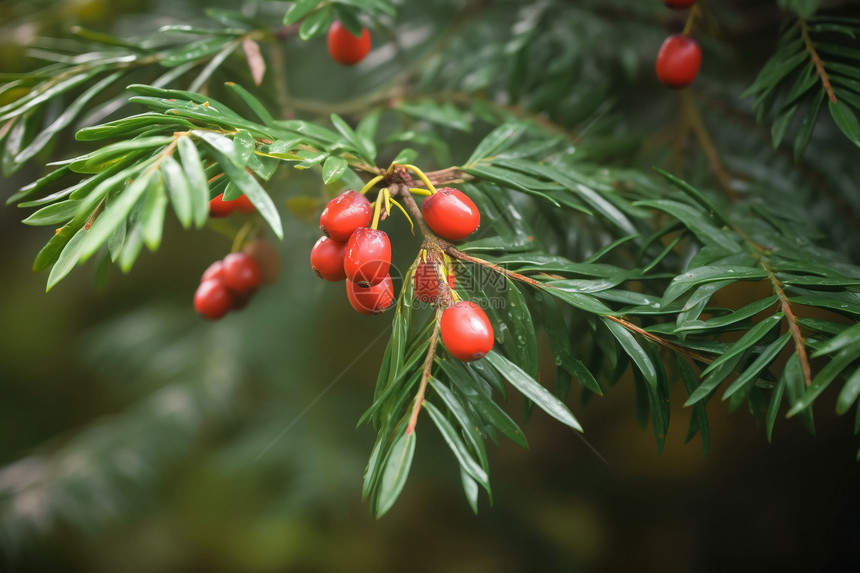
column 700, row 130
column 425, row 375
column 791, row 319
column 816, row 60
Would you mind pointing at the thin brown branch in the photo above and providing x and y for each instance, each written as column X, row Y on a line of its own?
column 816, row 60
column 700, row 130
column 791, row 319
column 425, row 375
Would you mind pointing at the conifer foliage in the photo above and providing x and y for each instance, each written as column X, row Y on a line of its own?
column 602, row 213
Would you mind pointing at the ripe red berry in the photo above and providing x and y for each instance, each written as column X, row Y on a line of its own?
column 426, row 284
column 466, row 331
column 451, row 214
column 241, row 273
column 243, row 204
column 327, row 259
column 368, row 256
column 678, row 61
column 370, row 300
column 678, row 4
column 214, row 271
column 344, row 214
column 344, row 48
column 212, row 300
column 218, row 207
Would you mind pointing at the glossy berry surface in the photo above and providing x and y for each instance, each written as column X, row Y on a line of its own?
column 370, row 300
column 678, row 4
column 344, row 48
column 218, row 207
column 426, row 284
column 368, row 256
column 214, row 271
column 241, row 273
column 212, row 300
column 466, row 331
column 327, row 259
column 344, row 214
column 678, row 61
column 451, row 214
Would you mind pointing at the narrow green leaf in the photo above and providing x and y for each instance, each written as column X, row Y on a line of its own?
column 71, row 111
column 316, row 23
column 732, row 318
column 849, row 393
column 116, row 211
column 699, row 417
column 457, row 446
column 496, row 141
column 192, row 165
column 760, row 363
column 773, row 407
column 193, row 51
column 638, row 354
column 697, row 222
column 395, row 473
column 364, row 147
column 532, row 390
column 746, row 341
column 470, row 488
column 333, row 169
column 178, row 189
column 68, row 258
column 152, row 214
column 467, row 424
column 693, row 277
column 845, row 120
column 226, row 154
column 56, row 214
column 824, row 377
column 848, row 337
column 299, row 10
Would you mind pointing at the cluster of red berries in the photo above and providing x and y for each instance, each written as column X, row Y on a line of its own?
column 227, row 285
column 680, row 56
column 352, row 251
column 344, row 48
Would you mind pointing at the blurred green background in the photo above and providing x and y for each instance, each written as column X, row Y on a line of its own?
column 137, row 438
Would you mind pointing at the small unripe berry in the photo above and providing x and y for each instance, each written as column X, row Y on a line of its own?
column 212, row 300
column 678, row 61
column 370, row 300
column 466, row 331
column 241, row 273
column 451, row 214
column 368, row 256
column 344, row 48
column 678, row 4
column 344, row 214
column 327, row 259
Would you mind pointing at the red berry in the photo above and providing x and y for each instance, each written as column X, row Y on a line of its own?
column 243, row 204
column 368, row 256
column 678, row 4
column 426, row 284
column 678, row 61
column 344, row 48
column 241, row 273
column 214, row 271
column 370, row 300
column 212, row 300
column 450, row 214
column 327, row 259
column 218, row 207
column 466, row 331
column 344, row 214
